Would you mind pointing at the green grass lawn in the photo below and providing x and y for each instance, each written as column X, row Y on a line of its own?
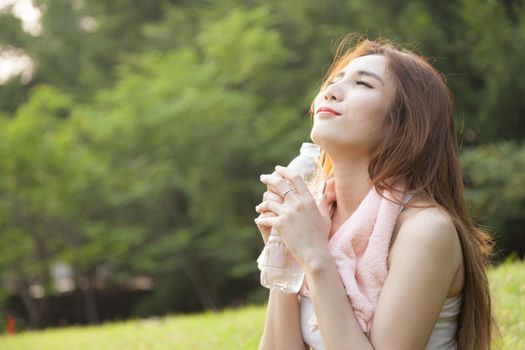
column 242, row 328
column 507, row 285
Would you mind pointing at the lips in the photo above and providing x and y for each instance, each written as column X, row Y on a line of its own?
column 327, row 110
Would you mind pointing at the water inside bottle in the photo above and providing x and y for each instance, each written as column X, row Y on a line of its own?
column 280, row 270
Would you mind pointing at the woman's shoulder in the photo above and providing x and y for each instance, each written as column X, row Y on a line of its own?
column 422, row 210
column 436, row 224
column 425, row 216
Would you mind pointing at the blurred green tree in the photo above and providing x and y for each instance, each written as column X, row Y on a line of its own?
column 138, row 143
column 495, row 175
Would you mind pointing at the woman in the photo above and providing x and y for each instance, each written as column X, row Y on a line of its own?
column 383, row 116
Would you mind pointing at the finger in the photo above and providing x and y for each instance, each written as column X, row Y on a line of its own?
column 276, row 183
column 268, row 221
column 260, row 209
column 296, row 180
column 272, row 196
column 271, row 206
column 267, row 214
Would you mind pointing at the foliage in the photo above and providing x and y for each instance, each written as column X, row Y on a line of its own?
column 496, row 177
column 138, row 143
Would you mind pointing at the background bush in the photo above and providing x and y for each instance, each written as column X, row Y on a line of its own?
column 135, row 148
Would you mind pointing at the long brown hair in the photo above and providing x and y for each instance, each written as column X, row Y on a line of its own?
column 419, row 148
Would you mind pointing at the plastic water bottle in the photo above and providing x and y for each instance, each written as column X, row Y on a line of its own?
column 278, row 267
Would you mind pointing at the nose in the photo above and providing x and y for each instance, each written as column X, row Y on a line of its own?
column 332, row 94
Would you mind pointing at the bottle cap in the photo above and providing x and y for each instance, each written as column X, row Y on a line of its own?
column 311, row 149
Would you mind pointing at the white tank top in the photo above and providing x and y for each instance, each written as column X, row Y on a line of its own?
column 442, row 337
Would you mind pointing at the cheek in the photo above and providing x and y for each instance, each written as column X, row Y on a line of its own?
column 366, row 115
column 367, row 103
column 367, row 109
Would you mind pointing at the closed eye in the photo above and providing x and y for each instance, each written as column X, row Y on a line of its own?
column 360, row 82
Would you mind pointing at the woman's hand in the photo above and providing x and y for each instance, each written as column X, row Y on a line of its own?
column 303, row 226
column 266, row 229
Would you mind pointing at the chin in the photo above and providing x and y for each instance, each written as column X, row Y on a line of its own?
column 316, row 138
column 323, row 139
column 335, row 142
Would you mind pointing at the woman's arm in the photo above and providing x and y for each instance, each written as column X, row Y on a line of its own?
column 336, row 319
column 420, row 275
column 282, row 328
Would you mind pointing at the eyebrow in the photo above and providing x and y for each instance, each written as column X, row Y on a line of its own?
column 363, row 72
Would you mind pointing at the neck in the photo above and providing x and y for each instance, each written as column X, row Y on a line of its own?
column 352, row 183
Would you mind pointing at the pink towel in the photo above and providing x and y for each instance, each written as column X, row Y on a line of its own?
column 360, row 250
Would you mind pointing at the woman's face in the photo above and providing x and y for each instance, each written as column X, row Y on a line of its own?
column 361, row 95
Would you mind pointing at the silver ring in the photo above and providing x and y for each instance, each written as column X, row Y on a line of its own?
column 286, row 191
